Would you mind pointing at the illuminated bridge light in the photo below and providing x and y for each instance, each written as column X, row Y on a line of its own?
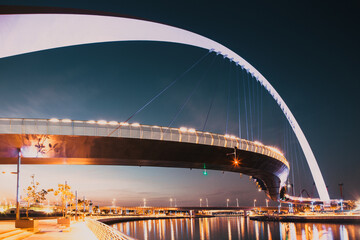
column 66, row 120
column 236, row 162
column 259, row 143
column 183, row 129
column 55, row 120
column 135, row 124
column 102, row 122
column 124, row 124
column 232, row 137
column 91, row 122
column 227, row 136
column 192, row 130
column 276, row 150
column 113, row 123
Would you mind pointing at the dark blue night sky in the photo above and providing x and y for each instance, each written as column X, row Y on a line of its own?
column 307, row 51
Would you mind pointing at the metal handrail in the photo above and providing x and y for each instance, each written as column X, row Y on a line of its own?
column 103, row 128
column 105, row 232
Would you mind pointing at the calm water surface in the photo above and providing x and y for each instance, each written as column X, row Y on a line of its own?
column 234, row 228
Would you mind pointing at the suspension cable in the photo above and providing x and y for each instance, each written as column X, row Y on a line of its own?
column 228, row 102
column 254, row 105
column 238, row 97
column 246, row 117
column 250, row 112
column 162, row 91
column 261, row 112
column 211, row 102
column 192, row 93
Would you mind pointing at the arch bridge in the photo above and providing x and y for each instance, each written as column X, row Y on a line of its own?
column 54, row 141
column 34, row 29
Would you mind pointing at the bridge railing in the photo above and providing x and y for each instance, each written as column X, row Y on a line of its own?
column 134, row 130
column 105, row 232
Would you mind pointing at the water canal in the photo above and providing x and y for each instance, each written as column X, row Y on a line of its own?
column 234, row 228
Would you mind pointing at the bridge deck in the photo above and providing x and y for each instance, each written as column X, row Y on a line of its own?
column 75, row 142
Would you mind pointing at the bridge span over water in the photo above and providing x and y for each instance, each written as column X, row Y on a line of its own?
column 65, row 141
column 26, row 30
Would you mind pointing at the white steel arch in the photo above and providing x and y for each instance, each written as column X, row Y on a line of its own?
column 25, row 33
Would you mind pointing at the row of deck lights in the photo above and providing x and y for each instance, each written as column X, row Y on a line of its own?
column 181, row 129
column 100, row 122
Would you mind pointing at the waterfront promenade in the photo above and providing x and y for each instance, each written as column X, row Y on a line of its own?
column 49, row 230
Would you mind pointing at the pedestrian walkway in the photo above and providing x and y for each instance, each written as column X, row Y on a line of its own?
column 50, row 230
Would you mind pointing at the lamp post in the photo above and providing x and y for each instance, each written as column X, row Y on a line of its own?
column 237, row 202
column 200, row 201
column 227, row 202
column 267, row 202
column 144, row 202
column 207, row 202
column 341, row 205
column 18, row 187
column 171, row 202
column 254, row 203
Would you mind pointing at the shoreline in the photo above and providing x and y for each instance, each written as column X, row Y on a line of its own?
column 339, row 219
column 111, row 221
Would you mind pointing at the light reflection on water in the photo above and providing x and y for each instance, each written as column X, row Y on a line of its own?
column 235, row 228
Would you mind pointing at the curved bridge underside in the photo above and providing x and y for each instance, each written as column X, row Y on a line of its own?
column 96, row 150
column 24, row 33
column 44, row 141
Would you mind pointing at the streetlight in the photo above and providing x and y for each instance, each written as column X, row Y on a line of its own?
column 341, row 205
column 200, row 201
column 267, row 202
column 144, row 202
column 237, row 202
column 207, row 203
column 227, row 202
column 171, row 202
column 175, row 202
column 254, row 202
column 18, row 187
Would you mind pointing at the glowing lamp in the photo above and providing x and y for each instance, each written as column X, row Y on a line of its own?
column 192, row 130
column 54, row 120
column 66, row 120
column 101, row 122
column 183, row 129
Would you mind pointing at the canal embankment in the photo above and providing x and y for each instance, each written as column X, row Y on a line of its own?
column 113, row 220
column 309, row 218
